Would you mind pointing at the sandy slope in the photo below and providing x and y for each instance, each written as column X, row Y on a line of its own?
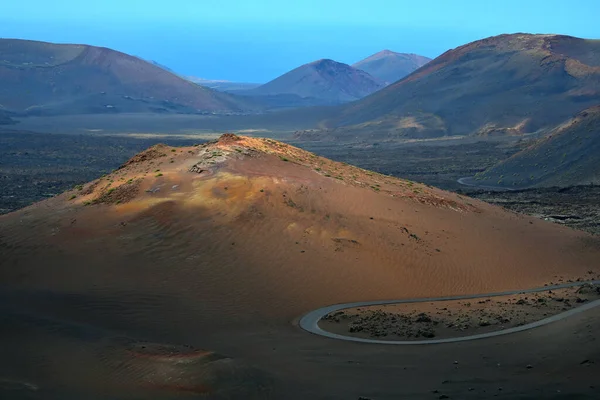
column 225, row 257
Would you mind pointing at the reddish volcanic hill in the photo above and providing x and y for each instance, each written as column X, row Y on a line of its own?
column 293, row 217
column 507, row 84
column 223, row 245
column 324, row 80
column 47, row 78
column 390, row 66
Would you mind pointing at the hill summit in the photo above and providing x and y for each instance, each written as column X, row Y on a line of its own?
column 389, row 66
column 325, row 80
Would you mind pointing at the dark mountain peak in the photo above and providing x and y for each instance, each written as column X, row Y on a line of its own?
column 324, row 61
column 383, row 54
column 390, row 66
column 327, row 64
column 324, row 79
column 330, row 67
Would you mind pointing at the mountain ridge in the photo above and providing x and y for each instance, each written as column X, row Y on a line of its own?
column 513, row 83
column 73, row 78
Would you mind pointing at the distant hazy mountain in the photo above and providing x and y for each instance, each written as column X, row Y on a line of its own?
column 569, row 155
column 390, row 66
column 507, row 84
column 221, row 85
column 46, row 78
column 161, row 66
column 323, row 80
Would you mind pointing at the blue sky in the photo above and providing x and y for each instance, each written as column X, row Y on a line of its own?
column 257, row 40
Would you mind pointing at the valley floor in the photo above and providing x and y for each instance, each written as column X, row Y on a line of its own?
column 575, row 206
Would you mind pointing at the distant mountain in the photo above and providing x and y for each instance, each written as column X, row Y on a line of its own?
column 389, row 66
column 46, row 78
column 569, row 155
column 223, row 86
column 325, row 81
column 162, row 66
column 219, row 85
column 507, row 84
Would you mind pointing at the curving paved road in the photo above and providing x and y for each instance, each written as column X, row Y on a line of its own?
column 483, row 187
column 310, row 321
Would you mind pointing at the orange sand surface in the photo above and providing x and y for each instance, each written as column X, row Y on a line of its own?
column 223, row 246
